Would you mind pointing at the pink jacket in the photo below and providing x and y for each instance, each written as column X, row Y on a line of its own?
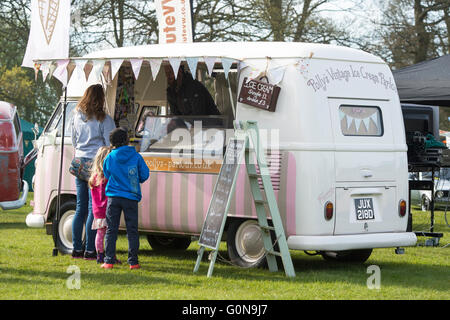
column 99, row 200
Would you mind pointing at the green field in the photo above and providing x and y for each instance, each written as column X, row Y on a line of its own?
column 28, row 271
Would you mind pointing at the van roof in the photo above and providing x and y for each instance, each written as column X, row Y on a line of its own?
column 7, row 110
column 238, row 51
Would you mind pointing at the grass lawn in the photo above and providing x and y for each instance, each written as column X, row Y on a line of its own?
column 28, row 271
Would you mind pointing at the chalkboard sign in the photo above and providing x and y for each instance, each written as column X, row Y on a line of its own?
column 259, row 94
column 215, row 218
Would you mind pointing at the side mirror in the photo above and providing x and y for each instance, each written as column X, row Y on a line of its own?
column 35, row 130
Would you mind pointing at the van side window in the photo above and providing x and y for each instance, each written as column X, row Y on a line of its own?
column 17, row 125
column 361, row 120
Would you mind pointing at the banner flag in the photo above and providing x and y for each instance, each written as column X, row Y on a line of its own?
column 49, row 31
column 226, row 63
column 136, row 65
column 174, row 20
column 192, row 64
column 175, row 63
column 155, row 65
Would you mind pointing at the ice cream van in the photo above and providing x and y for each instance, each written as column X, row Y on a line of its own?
column 335, row 144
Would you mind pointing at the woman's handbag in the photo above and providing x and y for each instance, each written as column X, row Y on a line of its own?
column 81, row 168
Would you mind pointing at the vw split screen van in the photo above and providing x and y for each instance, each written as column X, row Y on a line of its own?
column 335, row 146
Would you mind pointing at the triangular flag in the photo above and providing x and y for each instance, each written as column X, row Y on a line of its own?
column 192, row 63
column 366, row 123
column 115, row 66
column 70, row 68
column 357, row 123
column 45, row 70
column 226, row 64
column 97, row 68
column 241, row 65
column 51, row 69
column 349, row 122
column 210, row 61
column 155, row 65
column 37, row 67
column 87, row 69
column 60, row 72
column 341, row 114
column 136, row 65
column 107, row 72
column 374, row 118
column 175, row 63
column 276, row 75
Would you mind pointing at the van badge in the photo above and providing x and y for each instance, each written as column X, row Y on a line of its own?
column 366, row 227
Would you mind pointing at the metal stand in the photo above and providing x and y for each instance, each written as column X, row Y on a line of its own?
column 58, row 203
column 429, row 186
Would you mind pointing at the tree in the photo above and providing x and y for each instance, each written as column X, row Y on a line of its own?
column 413, row 31
column 30, row 97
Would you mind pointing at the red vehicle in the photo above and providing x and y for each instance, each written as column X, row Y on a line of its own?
column 12, row 162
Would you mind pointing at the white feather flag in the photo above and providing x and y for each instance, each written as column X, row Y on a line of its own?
column 49, row 32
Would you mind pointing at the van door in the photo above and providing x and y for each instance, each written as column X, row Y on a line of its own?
column 366, row 165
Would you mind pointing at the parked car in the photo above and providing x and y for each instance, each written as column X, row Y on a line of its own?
column 12, row 163
column 441, row 190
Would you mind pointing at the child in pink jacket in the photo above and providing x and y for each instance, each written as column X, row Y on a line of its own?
column 97, row 183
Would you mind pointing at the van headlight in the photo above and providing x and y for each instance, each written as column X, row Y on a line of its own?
column 439, row 194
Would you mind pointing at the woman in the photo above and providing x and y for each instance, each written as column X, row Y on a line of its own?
column 91, row 127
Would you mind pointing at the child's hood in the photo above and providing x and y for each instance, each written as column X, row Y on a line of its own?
column 123, row 154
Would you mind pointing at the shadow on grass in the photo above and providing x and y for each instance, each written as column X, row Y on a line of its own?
column 308, row 270
column 100, row 277
column 13, row 225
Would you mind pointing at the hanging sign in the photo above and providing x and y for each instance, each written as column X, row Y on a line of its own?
column 259, row 94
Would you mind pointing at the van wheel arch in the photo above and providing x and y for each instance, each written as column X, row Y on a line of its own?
column 66, row 197
column 242, row 250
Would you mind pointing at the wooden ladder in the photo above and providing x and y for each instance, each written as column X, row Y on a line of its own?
column 268, row 204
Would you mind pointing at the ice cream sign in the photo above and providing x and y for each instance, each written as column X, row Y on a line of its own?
column 347, row 74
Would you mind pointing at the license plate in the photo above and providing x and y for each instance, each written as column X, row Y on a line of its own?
column 364, row 209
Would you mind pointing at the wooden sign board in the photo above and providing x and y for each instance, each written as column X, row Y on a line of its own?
column 213, row 225
column 259, row 94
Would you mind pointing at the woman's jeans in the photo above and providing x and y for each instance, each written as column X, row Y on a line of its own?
column 83, row 217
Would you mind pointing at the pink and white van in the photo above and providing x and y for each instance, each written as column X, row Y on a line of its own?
column 335, row 146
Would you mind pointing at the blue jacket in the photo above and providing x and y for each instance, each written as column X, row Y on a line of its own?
column 125, row 169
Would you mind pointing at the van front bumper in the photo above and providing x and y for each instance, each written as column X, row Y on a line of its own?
column 352, row 242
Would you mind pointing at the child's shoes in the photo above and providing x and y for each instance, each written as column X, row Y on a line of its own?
column 135, row 266
column 107, row 266
column 100, row 257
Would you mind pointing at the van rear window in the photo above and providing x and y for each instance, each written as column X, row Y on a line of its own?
column 361, row 120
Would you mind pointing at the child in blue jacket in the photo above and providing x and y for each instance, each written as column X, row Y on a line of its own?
column 124, row 169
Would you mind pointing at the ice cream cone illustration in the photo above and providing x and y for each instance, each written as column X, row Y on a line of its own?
column 48, row 12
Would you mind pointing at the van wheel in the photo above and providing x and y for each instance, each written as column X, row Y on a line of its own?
column 161, row 243
column 64, row 227
column 356, row 256
column 245, row 244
